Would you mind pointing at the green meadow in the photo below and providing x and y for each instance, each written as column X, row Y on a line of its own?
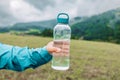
column 88, row 60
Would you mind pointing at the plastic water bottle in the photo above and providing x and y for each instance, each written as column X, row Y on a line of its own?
column 62, row 35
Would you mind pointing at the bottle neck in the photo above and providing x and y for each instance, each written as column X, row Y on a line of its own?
column 62, row 24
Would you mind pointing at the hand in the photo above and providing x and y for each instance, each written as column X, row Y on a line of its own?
column 51, row 49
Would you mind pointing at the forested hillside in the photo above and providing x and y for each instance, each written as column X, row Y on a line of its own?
column 105, row 26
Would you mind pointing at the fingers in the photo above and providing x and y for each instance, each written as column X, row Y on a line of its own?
column 54, row 49
column 51, row 48
column 58, row 48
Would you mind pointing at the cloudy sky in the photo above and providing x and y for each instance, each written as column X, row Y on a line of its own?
column 13, row 11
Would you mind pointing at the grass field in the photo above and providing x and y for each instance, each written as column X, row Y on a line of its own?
column 89, row 61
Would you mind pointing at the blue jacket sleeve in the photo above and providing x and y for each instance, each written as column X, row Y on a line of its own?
column 20, row 58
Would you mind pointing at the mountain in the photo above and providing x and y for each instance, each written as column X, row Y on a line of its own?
column 41, row 25
column 34, row 25
column 49, row 24
column 105, row 26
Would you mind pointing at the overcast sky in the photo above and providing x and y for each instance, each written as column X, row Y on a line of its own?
column 12, row 11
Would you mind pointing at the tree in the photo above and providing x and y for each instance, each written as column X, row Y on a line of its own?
column 47, row 33
column 117, row 31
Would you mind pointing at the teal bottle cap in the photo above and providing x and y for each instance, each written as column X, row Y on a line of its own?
column 63, row 18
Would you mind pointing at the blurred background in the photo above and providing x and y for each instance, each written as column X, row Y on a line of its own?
column 89, row 19
column 95, row 28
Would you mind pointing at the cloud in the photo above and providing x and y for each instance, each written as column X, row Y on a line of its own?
column 92, row 7
column 5, row 17
column 35, row 10
column 24, row 11
column 41, row 4
column 74, row 7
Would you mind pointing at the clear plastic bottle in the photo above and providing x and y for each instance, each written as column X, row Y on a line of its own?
column 62, row 35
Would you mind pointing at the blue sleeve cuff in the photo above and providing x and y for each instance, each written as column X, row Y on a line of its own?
column 45, row 54
column 40, row 56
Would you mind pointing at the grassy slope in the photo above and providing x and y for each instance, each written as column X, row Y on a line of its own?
column 89, row 61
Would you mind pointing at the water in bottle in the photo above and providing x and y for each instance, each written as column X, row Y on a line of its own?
column 62, row 35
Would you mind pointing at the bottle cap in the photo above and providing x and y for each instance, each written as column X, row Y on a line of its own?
column 63, row 18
